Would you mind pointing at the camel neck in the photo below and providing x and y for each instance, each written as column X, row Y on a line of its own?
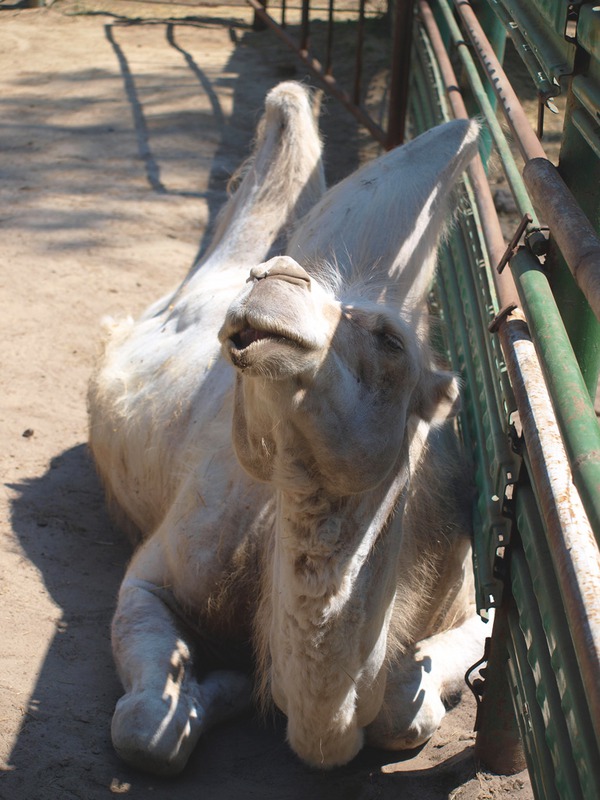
column 334, row 582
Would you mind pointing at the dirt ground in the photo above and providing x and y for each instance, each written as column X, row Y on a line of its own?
column 115, row 147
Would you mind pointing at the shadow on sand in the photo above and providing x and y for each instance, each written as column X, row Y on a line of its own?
column 63, row 749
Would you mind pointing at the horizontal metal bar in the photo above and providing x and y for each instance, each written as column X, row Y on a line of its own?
column 573, row 232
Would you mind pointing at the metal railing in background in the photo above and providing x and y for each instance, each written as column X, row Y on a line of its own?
column 391, row 132
column 523, row 332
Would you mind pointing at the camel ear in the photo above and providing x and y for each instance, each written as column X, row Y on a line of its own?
column 437, row 396
column 390, row 214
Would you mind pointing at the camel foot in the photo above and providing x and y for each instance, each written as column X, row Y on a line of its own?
column 157, row 733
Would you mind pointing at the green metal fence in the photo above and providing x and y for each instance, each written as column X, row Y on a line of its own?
column 527, row 341
column 523, row 332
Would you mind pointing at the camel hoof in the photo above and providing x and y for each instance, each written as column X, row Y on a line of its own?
column 153, row 734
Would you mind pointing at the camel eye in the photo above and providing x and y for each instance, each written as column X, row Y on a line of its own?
column 391, row 341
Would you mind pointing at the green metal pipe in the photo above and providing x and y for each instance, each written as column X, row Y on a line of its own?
column 570, row 398
column 574, row 233
column 574, row 550
column 450, row 295
column 438, row 87
column 512, row 173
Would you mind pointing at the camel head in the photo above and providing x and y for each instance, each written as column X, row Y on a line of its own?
column 332, row 363
column 325, row 385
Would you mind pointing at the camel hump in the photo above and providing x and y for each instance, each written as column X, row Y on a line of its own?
column 276, row 186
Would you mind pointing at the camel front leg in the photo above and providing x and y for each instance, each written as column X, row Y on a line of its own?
column 418, row 683
column 165, row 709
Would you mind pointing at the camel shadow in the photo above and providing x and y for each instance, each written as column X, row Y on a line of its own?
column 64, row 742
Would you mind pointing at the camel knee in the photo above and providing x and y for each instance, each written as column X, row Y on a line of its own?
column 408, row 723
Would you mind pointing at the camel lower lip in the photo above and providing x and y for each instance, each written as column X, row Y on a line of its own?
column 248, row 336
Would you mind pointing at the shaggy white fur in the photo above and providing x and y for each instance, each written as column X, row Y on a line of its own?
column 300, row 484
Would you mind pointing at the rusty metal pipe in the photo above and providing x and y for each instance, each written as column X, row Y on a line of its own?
column 524, row 135
column 573, row 232
column 329, row 51
column 305, row 25
column 492, row 232
column 571, row 539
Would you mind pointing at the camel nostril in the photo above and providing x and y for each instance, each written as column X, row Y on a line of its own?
column 283, row 268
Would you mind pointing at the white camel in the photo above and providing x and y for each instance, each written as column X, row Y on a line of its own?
column 297, row 488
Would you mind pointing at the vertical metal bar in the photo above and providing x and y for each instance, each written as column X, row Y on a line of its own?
column 258, row 23
column 329, row 55
column 498, row 737
column 305, row 26
column 360, row 36
column 403, row 11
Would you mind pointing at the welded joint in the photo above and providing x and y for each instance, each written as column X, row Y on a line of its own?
column 572, row 18
column 544, row 103
column 535, row 240
column 514, row 242
column 477, row 686
column 504, row 312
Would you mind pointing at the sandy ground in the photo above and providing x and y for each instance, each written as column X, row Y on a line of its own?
column 115, row 147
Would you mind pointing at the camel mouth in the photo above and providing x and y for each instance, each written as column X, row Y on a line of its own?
column 247, row 336
column 248, row 342
column 247, row 347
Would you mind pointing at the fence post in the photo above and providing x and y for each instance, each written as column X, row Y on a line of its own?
column 402, row 26
column 498, row 744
